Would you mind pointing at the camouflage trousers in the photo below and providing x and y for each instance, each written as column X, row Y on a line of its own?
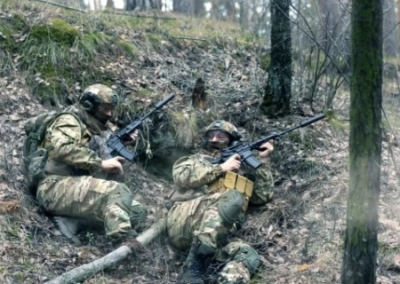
column 98, row 201
column 199, row 220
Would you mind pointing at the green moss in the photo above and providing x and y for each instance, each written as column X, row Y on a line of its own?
column 246, row 39
column 336, row 123
column 91, row 43
column 265, row 61
column 9, row 27
column 145, row 92
column 57, row 31
column 154, row 39
column 128, row 48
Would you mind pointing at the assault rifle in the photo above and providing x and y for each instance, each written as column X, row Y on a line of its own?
column 244, row 148
column 114, row 144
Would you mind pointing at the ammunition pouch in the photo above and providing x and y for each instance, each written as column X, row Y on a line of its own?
column 233, row 181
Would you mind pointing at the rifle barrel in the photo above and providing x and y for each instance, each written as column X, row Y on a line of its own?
column 164, row 101
column 312, row 119
column 306, row 122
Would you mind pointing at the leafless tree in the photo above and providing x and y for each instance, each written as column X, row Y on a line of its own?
column 389, row 28
column 183, row 6
column 244, row 13
column 365, row 147
column 277, row 96
column 110, row 4
column 199, row 8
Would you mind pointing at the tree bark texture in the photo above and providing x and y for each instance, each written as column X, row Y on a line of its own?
column 360, row 247
column 86, row 271
column 276, row 101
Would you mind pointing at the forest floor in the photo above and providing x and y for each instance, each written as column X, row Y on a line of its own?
column 299, row 235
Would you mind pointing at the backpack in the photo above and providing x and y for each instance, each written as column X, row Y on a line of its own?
column 34, row 157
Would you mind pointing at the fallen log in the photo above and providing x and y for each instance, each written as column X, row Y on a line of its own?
column 60, row 5
column 88, row 270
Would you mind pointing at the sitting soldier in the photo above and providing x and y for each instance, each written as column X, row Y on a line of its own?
column 221, row 194
column 68, row 187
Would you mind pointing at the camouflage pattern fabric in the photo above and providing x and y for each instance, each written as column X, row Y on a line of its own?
column 199, row 220
column 97, row 200
column 102, row 94
column 197, row 172
column 235, row 270
column 224, row 126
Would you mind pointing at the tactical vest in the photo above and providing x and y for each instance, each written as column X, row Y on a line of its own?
column 233, row 181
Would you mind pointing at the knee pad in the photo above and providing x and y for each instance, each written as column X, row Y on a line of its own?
column 249, row 257
column 230, row 205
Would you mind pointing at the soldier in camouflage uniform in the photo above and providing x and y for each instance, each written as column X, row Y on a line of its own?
column 68, row 188
column 221, row 195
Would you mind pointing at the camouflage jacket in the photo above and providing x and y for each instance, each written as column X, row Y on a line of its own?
column 67, row 139
column 196, row 173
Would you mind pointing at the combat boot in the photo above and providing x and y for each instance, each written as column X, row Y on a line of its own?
column 68, row 227
column 192, row 269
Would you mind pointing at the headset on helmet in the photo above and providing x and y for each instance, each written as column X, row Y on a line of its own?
column 96, row 94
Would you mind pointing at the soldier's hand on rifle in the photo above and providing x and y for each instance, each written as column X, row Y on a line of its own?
column 232, row 164
column 113, row 165
column 131, row 138
column 266, row 149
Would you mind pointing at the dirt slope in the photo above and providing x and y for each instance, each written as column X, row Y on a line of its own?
column 299, row 234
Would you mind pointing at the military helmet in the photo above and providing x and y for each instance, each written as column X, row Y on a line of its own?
column 96, row 94
column 226, row 127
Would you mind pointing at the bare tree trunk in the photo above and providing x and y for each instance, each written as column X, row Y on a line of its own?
column 276, row 101
column 82, row 4
column 156, row 4
column 244, row 13
column 110, row 4
column 330, row 16
column 361, row 243
column 389, row 30
column 184, row 7
column 176, row 5
column 214, row 9
column 97, row 5
column 230, row 10
column 199, row 8
column 131, row 5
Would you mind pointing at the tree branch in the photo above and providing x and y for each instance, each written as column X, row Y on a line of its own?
column 60, row 5
column 86, row 271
